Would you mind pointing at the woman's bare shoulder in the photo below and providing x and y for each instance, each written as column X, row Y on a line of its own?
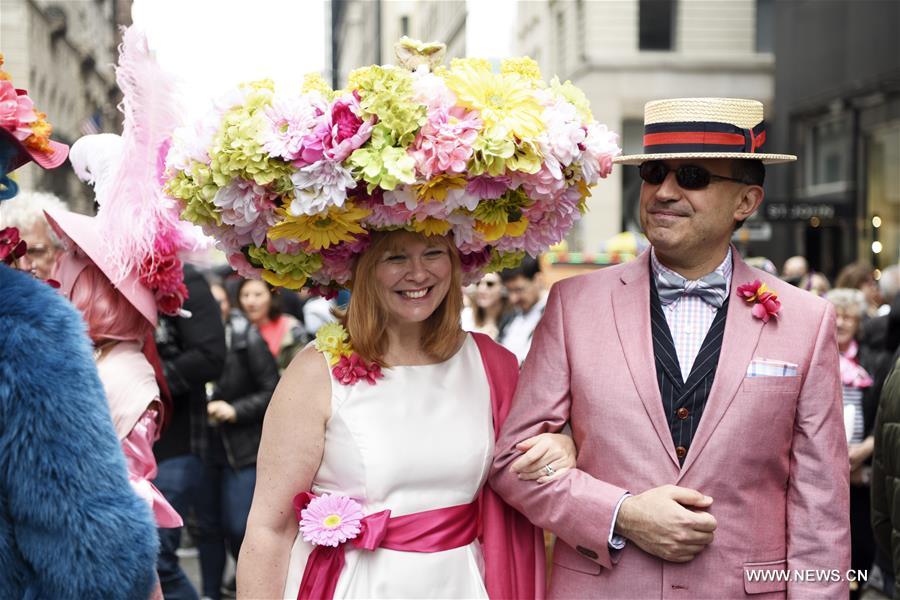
column 307, row 379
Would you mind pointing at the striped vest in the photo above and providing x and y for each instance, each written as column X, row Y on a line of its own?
column 684, row 401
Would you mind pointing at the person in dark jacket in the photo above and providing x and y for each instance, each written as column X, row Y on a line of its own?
column 237, row 405
column 886, row 473
column 193, row 353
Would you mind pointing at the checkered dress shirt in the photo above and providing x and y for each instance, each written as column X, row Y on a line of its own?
column 690, row 317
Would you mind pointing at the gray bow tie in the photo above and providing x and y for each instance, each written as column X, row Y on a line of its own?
column 710, row 288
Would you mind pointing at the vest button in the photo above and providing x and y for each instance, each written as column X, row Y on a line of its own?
column 680, row 451
column 682, row 413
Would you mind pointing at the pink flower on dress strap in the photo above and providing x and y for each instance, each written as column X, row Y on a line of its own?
column 765, row 303
column 330, row 520
column 351, row 369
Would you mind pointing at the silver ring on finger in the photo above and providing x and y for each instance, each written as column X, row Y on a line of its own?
column 548, row 470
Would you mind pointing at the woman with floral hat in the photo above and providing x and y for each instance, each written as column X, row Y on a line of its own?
column 407, row 184
column 386, row 396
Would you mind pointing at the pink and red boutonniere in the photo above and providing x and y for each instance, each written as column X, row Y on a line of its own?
column 765, row 303
column 347, row 366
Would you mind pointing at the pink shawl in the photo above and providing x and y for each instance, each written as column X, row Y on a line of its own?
column 513, row 548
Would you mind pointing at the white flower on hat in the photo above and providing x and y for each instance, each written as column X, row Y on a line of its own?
column 319, row 186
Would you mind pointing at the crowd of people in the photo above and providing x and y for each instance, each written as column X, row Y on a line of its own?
column 686, row 424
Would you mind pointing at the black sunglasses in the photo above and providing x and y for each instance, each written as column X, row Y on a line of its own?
column 690, row 177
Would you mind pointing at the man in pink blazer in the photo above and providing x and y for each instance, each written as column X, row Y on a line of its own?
column 712, row 460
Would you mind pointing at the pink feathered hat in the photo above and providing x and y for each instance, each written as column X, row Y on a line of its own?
column 83, row 232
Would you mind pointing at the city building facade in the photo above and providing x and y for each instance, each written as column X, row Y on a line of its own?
column 63, row 53
column 837, row 94
column 364, row 32
column 623, row 53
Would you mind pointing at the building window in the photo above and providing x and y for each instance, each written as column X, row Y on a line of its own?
column 404, row 25
column 882, row 196
column 656, row 24
column 765, row 25
column 829, row 148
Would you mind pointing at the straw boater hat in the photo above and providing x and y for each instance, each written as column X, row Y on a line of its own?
column 704, row 128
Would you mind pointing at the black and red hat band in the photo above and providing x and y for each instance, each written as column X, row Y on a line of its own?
column 703, row 137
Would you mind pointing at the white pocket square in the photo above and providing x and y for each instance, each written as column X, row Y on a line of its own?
column 767, row 367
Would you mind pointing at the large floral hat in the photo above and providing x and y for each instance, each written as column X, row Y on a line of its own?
column 291, row 184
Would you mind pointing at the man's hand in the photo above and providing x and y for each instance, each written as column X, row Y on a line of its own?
column 669, row 522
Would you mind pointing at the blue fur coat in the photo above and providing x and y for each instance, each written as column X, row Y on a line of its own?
column 70, row 524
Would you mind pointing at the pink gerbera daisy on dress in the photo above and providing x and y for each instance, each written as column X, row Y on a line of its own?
column 330, row 520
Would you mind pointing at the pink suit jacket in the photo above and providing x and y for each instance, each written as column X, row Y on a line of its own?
column 771, row 451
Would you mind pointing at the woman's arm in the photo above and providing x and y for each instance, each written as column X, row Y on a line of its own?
column 289, row 455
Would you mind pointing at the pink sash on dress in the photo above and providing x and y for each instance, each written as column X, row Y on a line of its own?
column 428, row 531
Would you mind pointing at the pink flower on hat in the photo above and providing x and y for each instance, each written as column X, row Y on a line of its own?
column 444, row 144
column 346, row 131
column 16, row 112
column 330, row 520
column 290, row 120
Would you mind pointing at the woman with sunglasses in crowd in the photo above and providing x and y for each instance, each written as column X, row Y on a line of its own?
column 487, row 307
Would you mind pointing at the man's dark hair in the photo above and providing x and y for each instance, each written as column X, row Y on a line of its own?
column 750, row 171
column 528, row 269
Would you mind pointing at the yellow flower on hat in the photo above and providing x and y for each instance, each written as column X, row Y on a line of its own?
column 575, row 96
column 526, row 159
column 286, row 280
column 435, row 190
column 314, row 82
column 431, row 226
column 505, row 101
column 491, row 231
column 525, row 67
column 321, row 230
column 516, row 228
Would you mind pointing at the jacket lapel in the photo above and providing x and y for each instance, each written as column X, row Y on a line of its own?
column 631, row 310
column 741, row 336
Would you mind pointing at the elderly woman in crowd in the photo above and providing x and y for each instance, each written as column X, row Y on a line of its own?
column 26, row 212
column 859, row 417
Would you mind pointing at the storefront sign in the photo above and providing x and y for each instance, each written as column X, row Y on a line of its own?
column 803, row 211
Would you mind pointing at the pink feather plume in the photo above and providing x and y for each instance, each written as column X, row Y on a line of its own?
column 134, row 212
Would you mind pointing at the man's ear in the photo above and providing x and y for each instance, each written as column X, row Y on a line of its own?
column 751, row 198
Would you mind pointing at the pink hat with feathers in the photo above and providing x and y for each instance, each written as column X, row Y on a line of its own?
column 82, row 234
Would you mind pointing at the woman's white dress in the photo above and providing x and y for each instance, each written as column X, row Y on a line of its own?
column 419, row 439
